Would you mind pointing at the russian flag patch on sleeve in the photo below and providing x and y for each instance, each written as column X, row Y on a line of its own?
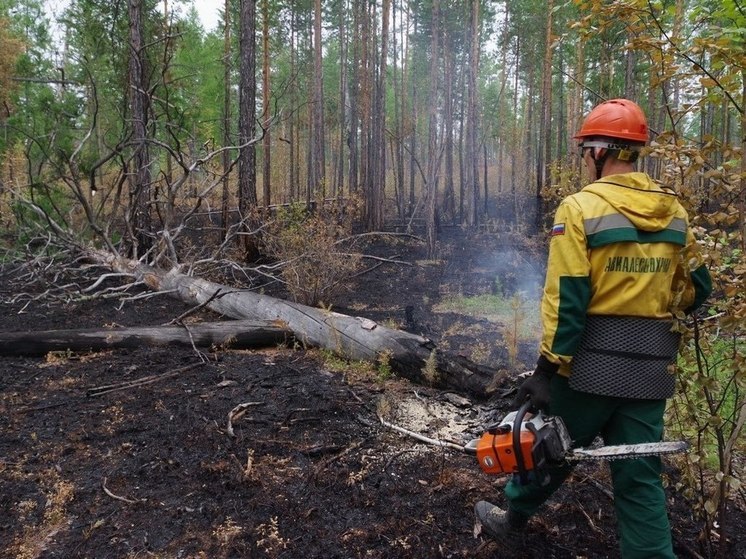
column 558, row 229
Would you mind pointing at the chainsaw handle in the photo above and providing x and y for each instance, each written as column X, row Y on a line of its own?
column 519, row 458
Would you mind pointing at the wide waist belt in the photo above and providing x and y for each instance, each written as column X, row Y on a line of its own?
column 628, row 357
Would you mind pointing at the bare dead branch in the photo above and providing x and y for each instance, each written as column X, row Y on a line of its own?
column 329, row 461
column 117, row 497
column 238, row 412
column 150, row 379
column 422, row 438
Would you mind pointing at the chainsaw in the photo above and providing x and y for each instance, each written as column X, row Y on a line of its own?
column 526, row 444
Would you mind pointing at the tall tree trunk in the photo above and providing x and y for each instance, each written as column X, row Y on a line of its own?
column 462, row 142
column 575, row 113
column 267, row 140
column 449, row 196
column 560, row 138
column 629, row 71
column 139, row 220
column 293, row 171
column 377, row 152
column 354, row 89
column 226, row 157
column 372, row 183
column 652, row 163
column 317, row 178
column 544, row 143
column 247, row 200
column 413, row 141
column 366, row 83
column 529, row 133
column 500, row 164
column 433, row 157
column 310, row 152
column 516, row 140
column 339, row 178
column 742, row 193
column 398, row 86
column 485, row 183
column 472, row 160
column 676, row 37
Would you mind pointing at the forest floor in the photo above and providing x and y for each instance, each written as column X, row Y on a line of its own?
column 95, row 465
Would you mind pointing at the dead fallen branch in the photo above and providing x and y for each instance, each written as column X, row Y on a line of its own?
column 587, row 516
column 106, row 389
column 600, row 486
column 422, row 438
column 234, row 334
column 117, row 497
column 238, row 412
column 324, row 464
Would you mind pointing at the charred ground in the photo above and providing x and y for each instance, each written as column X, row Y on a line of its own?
column 94, row 465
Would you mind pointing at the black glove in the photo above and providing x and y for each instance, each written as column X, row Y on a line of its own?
column 536, row 387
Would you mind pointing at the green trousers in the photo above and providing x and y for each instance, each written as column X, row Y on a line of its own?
column 639, row 499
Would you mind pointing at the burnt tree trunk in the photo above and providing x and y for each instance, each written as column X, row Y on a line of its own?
column 234, row 334
column 247, row 198
column 140, row 225
column 408, row 355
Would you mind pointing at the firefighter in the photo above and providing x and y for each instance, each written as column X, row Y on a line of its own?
column 623, row 263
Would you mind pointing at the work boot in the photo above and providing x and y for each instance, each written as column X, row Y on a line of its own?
column 497, row 522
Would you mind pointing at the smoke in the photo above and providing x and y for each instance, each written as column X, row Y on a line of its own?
column 516, row 273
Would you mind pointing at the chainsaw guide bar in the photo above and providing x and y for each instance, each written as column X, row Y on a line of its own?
column 619, row 452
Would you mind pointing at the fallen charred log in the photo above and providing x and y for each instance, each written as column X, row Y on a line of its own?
column 355, row 338
column 234, row 334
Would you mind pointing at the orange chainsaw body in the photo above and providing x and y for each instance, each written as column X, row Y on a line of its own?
column 496, row 453
column 521, row 445
column 530, row 446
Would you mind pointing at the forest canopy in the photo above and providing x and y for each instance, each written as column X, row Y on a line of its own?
column 465, row 106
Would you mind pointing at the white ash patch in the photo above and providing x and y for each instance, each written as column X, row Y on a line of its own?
column 437, row 418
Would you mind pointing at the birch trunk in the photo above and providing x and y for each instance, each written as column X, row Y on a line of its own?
column 408, row 355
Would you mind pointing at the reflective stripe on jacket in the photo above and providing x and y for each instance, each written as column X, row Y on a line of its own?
column 621, row 246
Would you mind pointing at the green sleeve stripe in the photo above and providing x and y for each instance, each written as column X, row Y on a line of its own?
column 630, row 234
column 574, row 295
column 702, row 287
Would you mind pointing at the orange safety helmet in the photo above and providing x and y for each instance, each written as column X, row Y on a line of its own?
column 617, row 118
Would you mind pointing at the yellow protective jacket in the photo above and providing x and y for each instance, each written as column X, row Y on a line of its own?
column 621, row 246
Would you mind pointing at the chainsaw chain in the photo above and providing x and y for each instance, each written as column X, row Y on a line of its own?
column 621, row 452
